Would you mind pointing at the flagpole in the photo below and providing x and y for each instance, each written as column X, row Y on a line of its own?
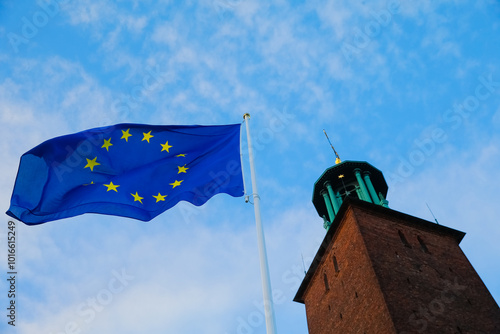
column 264, row 268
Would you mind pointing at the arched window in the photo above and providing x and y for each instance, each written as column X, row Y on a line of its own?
column 403, row 239
column 336, row 265
column 423, row 245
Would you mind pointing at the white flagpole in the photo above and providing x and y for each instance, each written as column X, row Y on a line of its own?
column 264, row 268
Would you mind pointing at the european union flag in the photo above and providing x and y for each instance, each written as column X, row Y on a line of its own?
column 129, row 170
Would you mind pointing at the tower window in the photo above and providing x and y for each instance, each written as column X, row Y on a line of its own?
column 336, row 265
column 349, row 191
column 325, row 280
column 403, row 239
column 423, row 245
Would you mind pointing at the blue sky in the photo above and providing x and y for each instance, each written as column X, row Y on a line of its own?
column 412, row 88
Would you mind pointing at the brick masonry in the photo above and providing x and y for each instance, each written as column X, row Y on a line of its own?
column 381, row 271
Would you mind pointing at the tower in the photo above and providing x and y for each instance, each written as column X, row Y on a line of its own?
column 383, row 271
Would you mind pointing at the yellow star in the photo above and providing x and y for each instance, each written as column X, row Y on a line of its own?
column 165, row 146
column 182, row 169
column 341, row 176
column 147, row 136
column 176, row 183
column 137, row 198
column 91, row 163
column 107, row 144
column 111, row 186
column 88, row 184
column 180, row 155
column 126, row 134
column 160, row 197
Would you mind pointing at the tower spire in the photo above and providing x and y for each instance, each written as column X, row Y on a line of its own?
column 337, row 160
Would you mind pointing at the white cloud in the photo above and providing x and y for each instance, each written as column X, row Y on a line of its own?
column 165, row 33
column 85, row 12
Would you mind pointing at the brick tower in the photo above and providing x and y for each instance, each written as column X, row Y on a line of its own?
column 380, row 271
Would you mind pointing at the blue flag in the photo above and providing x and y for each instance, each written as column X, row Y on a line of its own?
column 128, row 170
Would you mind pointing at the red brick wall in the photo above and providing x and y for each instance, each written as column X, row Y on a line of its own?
column 427, row 290
column 383, row 286
column 354, row 302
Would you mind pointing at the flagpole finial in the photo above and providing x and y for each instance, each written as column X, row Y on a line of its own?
column 246, row 115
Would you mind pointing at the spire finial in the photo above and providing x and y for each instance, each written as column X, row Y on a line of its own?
column 337, row 159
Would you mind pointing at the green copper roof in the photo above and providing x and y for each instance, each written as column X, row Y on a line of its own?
column 345, row 168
